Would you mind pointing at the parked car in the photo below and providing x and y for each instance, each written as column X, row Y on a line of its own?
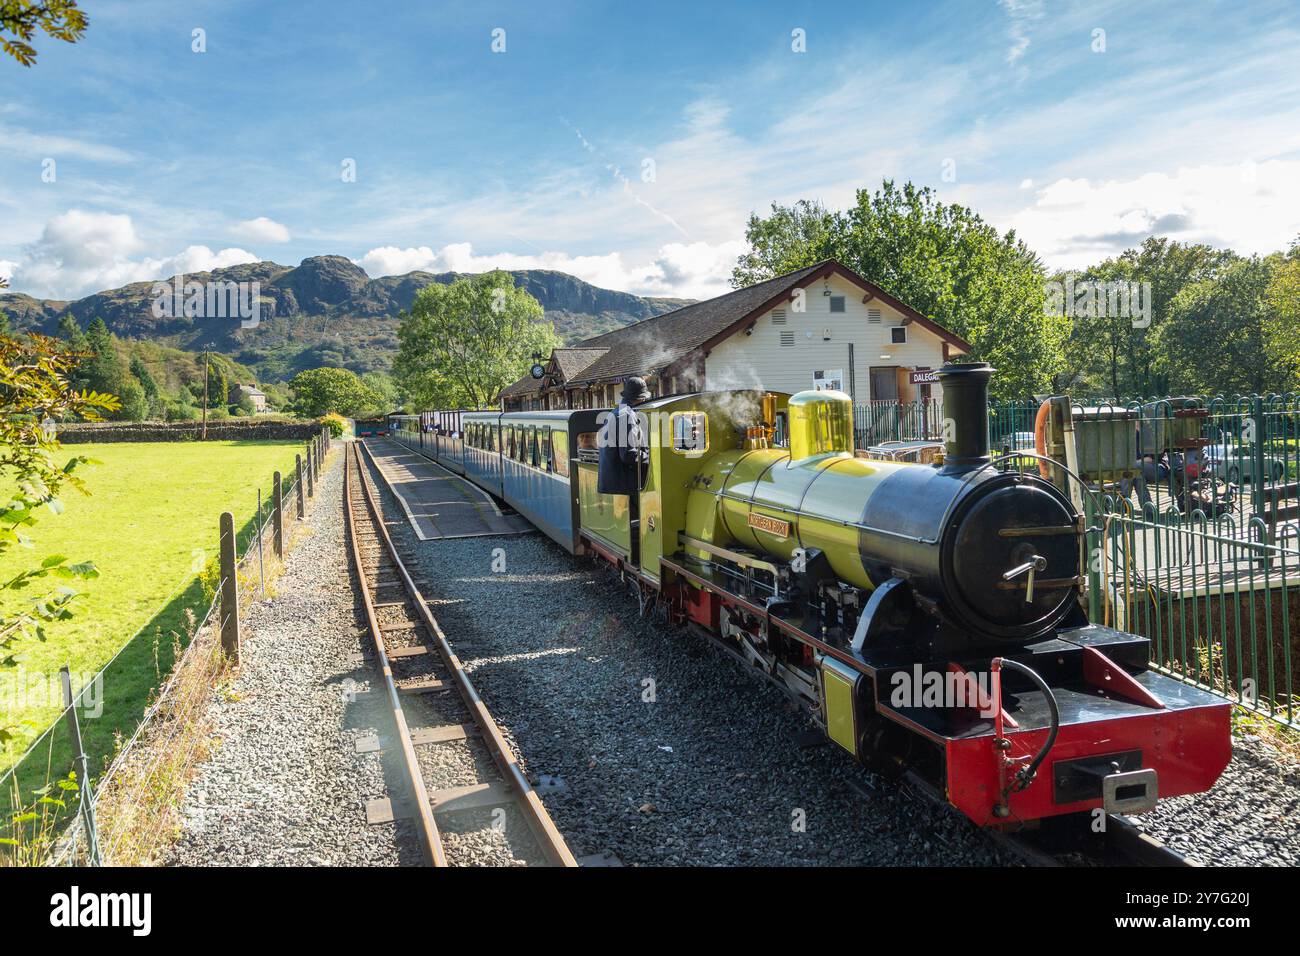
column 1236, row 464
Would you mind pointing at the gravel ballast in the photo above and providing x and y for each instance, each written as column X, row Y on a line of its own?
column 285, row 785
column 1251, row 817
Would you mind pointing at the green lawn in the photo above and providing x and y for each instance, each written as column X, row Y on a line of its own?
column 150, row 519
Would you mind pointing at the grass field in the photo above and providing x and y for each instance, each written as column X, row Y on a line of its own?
column 150, row 520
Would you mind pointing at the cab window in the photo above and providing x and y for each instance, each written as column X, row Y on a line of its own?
column 690, row 432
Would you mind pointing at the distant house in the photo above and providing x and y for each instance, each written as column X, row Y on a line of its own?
column 254, row 394
column 823, row 326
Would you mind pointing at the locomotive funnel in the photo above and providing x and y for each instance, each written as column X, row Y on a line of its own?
column 965, row 414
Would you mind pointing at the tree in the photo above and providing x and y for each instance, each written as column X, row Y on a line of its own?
column 1111, row 353
column 4, row 323
column 143, row 376
column 941, row 259
column 462, row 343
column 71, row 332
column 1219, row 334
column 35, row 387
column 21, row 19
column 323, row 390
column 791, row 238
column 102, row 370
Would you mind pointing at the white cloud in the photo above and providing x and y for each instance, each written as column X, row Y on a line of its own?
column 262, row 229
column 696, row 270
column 1250, row 208
column 1023, row 14
column 26, row 143
column 82, row 252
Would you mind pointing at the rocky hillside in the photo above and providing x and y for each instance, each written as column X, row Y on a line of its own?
column 326, row 311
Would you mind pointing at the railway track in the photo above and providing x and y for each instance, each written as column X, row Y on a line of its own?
column 1072, row 842
column 454, row 761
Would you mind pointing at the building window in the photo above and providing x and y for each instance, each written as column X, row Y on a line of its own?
column 837, row 303
column 787, row 339
column 898, row 335
column 873, row 316
column 778, row 317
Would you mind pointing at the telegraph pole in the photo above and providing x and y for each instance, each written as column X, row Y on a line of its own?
column 205, row 397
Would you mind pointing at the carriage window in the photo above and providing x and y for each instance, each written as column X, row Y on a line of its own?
column 532, row 446
column 544, row 448
column 690, row 432
column 560, row 453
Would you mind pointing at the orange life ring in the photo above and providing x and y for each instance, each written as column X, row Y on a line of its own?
column 1040, row 438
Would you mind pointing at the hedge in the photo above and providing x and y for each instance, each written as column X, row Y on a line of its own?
column 221, row 430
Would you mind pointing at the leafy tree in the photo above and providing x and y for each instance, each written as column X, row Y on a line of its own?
column 21, row 19
column 1111, row 354
column 462, row 343
column 1220, row 334
column 4, row 323
column 791, row 238
column 135, row 406
column 941, row 259
column 323, row 390
column 35, row 387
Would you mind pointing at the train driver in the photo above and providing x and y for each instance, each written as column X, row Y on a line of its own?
column 624, row 451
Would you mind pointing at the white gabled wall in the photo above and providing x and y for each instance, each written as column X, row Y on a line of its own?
column 760, row 360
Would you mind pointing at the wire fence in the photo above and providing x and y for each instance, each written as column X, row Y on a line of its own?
column 48, row 812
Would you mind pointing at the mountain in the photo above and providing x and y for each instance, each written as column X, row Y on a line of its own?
column 325, row 311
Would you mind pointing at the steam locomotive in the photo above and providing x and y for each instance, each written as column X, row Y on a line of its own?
column 927, row 616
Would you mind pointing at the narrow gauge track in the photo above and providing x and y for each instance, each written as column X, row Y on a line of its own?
column 433, row 702
column 1072, row 842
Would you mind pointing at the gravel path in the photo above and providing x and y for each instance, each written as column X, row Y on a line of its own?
column 1251, row 817
column 710, row 771
column 285, row 786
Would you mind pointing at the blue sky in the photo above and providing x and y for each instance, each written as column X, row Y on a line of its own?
column 165, row 160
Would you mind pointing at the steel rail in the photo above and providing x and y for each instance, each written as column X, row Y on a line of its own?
column 549, row 839
column 426, row 826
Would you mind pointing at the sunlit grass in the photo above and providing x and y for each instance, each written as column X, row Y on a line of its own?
column 148, row 524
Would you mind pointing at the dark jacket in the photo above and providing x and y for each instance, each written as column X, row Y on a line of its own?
column 623, row 453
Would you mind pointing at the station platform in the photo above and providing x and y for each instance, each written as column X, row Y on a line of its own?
column 437, row 503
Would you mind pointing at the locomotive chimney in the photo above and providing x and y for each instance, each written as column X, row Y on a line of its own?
column 965, row 414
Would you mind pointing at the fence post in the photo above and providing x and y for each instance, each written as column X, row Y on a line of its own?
column 229, row 611
column 311, row 483
column 85, row 793
column 297, row 486
column 278, row 516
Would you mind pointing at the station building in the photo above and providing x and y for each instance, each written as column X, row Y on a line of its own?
column 823, row 326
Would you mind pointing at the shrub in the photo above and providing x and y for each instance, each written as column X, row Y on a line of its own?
column 337, row 424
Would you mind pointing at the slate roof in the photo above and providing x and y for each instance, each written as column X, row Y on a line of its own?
column 652, row 345
column 573, row 361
